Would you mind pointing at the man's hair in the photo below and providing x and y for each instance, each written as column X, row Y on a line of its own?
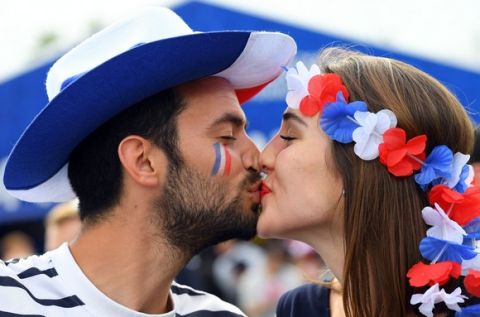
column 94, row 168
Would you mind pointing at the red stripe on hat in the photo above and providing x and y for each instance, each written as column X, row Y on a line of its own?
column 246, row 94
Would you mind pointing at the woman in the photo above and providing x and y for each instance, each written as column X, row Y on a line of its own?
column 356, row 162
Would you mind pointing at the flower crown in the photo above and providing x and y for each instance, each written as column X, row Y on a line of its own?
column 454, row 211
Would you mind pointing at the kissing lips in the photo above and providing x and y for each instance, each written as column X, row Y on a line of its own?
column 265, row 190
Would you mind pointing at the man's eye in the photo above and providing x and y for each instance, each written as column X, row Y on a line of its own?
column 287, row 138
column 228, row 137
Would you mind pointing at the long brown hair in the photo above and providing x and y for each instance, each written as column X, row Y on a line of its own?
column 382, row 219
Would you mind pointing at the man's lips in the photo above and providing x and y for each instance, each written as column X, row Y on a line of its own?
column 265, row 190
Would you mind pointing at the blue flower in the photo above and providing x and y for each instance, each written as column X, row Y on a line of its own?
column 462, row 185
column 437, row 165
column 469, row 311
column 472, row 229
column 337, row 119
column 430, row 248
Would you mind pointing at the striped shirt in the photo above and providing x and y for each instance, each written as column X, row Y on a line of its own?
column 53, row 285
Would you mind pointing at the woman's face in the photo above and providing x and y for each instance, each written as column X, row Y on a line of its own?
column 306, row 193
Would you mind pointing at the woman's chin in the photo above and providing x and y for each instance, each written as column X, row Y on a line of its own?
column 266, row 222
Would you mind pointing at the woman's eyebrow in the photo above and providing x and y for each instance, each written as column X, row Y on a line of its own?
column 291, row 116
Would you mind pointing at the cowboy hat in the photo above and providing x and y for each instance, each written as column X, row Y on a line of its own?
column 120, row 66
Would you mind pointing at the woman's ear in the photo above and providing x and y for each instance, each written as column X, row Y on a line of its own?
column 142, row 161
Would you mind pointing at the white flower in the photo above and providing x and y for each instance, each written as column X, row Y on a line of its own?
column 433, row 296
column 297, row 83
column 443, row 228
column 369, row 135
column 459, row 161
column 471, row 176
column 453, row 299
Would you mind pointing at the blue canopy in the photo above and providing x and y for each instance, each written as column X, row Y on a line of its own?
column 22, row 97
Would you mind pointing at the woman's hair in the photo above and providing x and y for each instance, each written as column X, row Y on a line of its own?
column 383, row 222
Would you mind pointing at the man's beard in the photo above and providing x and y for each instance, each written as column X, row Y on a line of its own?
column 195, row 210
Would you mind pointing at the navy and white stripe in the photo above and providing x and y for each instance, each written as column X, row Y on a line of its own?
column 53, row 285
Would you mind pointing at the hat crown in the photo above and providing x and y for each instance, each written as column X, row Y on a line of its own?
column 146, row 26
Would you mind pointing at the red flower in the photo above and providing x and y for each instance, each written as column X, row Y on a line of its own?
column 461, row 208
column 472, row 282
column 322, row 89
column 396, row 153
column 422, row 274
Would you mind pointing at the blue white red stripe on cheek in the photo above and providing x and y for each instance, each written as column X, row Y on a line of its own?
column 223, row 160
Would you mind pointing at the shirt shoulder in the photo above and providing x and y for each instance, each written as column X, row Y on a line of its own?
column 31, row 287
column 306, row 300
column 190, row 302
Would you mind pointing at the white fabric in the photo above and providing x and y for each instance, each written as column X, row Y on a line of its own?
column 55, row 189
column 146, row 26
column 71, row 281
column 257, row 65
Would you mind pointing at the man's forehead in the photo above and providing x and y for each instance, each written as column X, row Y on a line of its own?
column 211, row 100
column 208, row 84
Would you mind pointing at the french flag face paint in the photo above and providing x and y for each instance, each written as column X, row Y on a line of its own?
column 223, row 160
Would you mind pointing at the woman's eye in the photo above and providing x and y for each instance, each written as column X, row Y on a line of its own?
column 287, row 138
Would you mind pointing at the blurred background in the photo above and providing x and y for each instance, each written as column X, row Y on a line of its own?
column 438, row 36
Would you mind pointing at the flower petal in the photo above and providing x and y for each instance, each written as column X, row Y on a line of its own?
column 472, row 282
column 469, row 311
column 460, row 160
column 443, row 228
column 474, row 263
column 430, row 248
column 309, row 106
column 422, row 274
column 436, row 167
column 417, row 144
column 337, row 120
column 297, row 83
column 391, row 116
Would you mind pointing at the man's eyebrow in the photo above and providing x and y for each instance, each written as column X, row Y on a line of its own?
column 291, row 116
column 232, row 118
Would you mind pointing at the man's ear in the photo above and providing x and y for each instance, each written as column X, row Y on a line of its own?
column 144, row 162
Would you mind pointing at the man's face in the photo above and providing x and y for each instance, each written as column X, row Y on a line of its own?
column 213, row 195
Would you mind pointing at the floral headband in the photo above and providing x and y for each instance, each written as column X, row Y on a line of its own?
column 454, row 211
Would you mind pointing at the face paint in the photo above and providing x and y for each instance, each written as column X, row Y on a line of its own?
column 223, row 160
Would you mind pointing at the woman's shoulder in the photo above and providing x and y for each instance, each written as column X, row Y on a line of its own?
column 306, row 300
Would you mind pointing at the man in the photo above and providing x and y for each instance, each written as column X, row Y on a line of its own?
column 144, row 122
column 62, row 224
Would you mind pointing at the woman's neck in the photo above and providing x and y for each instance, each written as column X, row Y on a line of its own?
column 329, row 244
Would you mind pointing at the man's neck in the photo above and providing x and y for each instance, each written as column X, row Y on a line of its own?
column 129, row 263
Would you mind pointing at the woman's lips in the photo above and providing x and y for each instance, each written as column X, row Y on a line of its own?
column 265, row 190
